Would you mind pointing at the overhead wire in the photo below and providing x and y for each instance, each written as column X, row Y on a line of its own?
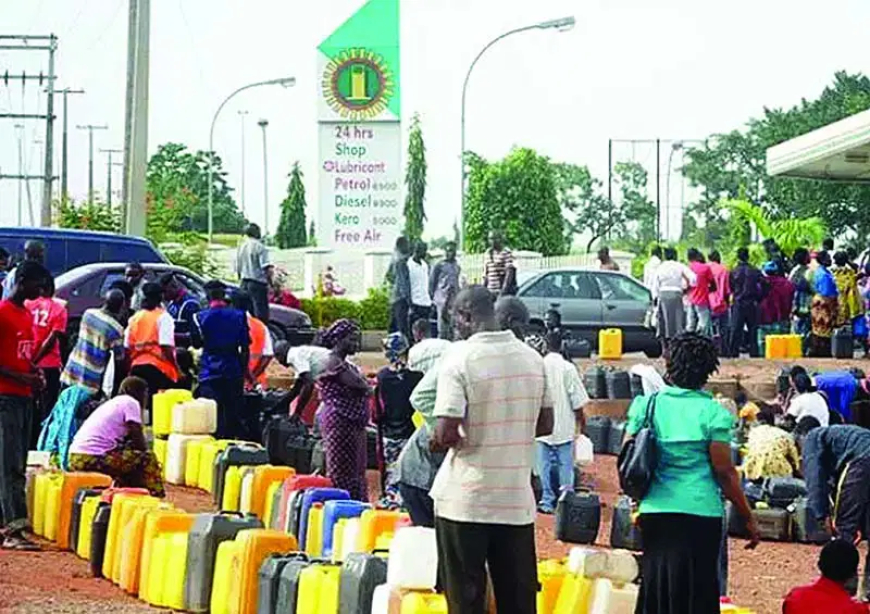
column 104, row 30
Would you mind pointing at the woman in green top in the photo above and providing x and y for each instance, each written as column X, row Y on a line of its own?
column 681, row 515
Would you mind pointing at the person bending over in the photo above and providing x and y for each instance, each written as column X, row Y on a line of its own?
column 111, row 441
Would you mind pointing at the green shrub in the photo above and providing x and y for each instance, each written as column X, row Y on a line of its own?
column 189, row 250
column 375, row 309
column 372, row 312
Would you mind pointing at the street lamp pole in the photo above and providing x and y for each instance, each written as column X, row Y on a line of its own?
column 242, row 116
column 675, row 146
column 284, row 82
column 563, row 24
column 262, row 124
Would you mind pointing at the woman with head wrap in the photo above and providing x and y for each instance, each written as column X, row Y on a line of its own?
column 394, row 413
column 344, row 392
column 823, row 312
column 849, row 302
column 776, row 307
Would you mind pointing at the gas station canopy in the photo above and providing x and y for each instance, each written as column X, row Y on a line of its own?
column 836, row 152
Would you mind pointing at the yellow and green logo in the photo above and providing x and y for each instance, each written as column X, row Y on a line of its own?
column 357, row 84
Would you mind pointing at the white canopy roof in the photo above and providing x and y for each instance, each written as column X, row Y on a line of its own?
column 837, row 152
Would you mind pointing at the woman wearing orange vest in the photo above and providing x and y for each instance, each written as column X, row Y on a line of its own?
column 261, row 351
column 150, row 342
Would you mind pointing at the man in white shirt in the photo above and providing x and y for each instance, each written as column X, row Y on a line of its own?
column 426, row 349
column 418, row 272
column 808, row 402
column 555, row 452
column 649, row 269
column 307, row 362
column 492, row 401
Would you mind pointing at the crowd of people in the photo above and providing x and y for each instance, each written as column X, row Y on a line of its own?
column 811, row 294
column 88, row 410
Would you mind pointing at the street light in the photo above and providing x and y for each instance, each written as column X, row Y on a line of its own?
column 562, row 25
column 284, row 82
column 675, row 146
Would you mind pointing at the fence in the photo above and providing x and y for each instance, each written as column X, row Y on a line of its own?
column 357, row 272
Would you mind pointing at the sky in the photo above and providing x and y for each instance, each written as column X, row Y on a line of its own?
column 630, row 69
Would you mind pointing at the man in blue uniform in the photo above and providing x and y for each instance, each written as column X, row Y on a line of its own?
column 222, row 333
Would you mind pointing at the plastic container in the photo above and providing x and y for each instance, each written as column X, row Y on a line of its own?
column 176, row 456
column 636, row 385
column 806, row 529
column 413, row 559
column 194, row 417
column 52, row 508
column 207, row 533
column 162, row 404
column 423, row 603
column 782, row 492
column 551, row 575
column 288, row 586
column 219, row 597
column 578, row 517
column 349, row 538
column 624, row 533
column 208, row 452
column 360, row 575
column 610, row 344
column 318, row 589
column 618, row 384
column 81, row 496
column 794, row 346
column 381, row 600
column 123, row 514
column 598, row 430
column 70, row 484
column 246, row 491
column 296, row 483
column 99, row 533
column 312, row 496
column 264, row 477
column 254, row 547
column 610, row 599
column 273, row 502
column 269, row 579
column 373, row 525
column 333, row 511
column 132, row 544
column 595, row 382
column 40, row 489
column 191, row 463
column 615, row 436
column 159, row 445
column 235, row 455
column 314, row 531
column 159, row 523
column 775, row 346
column 86, row 520
column 773, row 524
column 843, row 343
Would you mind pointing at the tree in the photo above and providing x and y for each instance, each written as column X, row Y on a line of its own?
column 87, row 215
column 789, row 232
column 177, row 192
column 580, row 194
column 312, row 235
column 733, row 166
column 291, row 228
column 415, row 182
column 638, row 211
column 517, row 195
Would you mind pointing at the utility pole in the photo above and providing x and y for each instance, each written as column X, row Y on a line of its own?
column 262, row 124
column 136, row 118
column 90, row 128
column 19, row 130
column 109, row 165
column 64, row 192
column 242, row 115
column 35, row 43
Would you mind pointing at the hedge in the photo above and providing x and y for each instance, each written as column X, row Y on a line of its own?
column 372, row 312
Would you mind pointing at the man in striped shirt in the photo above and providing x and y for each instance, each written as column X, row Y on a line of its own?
column 100, row 339
column 492, row 401
column 499, row 272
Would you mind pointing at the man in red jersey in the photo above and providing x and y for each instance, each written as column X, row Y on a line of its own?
column 20, row 380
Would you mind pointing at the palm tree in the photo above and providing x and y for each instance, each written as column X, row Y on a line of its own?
column 789, row 233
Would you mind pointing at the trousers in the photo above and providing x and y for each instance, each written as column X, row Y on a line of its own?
column 466, row 549
column 744, row 316
column 560, row 458
column 259, row 293
column 16, row 417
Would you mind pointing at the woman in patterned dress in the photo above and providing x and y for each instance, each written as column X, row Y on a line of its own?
column 344, row 392
column 823, row 311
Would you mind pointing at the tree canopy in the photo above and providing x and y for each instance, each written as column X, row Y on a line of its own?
column 415, row 182
column 291, row 228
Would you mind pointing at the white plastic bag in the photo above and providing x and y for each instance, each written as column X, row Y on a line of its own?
column 583, row 451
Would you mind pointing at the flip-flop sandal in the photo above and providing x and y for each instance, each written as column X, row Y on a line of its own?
column 19, row 544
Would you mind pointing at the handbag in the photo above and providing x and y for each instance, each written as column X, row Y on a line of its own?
column 638, row 457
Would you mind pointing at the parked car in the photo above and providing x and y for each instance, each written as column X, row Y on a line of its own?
column 590, row 301
column 83, row 288
column 67, row 249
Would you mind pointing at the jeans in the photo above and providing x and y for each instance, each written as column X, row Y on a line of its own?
column 721, row 333
column 399, row 317
column 259, row 293
column 744, row 315
column 560, row 458
column 16, row 417
column 419, row 505
column 698, row 318
column 466, row 549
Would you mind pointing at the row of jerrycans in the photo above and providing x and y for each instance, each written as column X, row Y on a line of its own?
column 588, row 582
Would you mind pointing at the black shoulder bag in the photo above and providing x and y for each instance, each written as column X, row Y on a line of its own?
column 639, row 456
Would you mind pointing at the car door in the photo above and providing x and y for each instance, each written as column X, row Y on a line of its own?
column 625, row 304
column 580, row 304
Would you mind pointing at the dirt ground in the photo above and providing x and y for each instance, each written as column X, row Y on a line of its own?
column 60, row 582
